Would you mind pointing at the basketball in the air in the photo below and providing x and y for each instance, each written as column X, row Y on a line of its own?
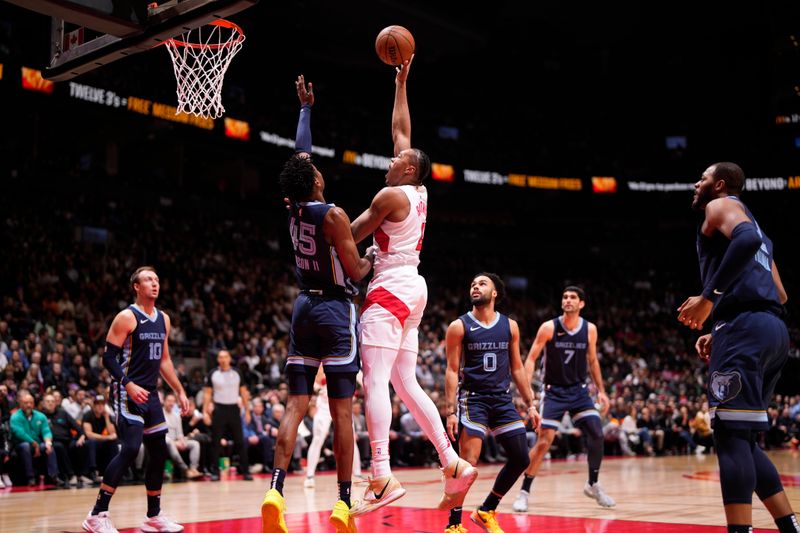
column 394, row 45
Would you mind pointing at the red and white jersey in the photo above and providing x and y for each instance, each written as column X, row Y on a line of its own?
column 399, row 243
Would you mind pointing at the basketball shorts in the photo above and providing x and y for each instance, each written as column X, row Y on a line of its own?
column 393, row 308
column 149, row 414
column 747, row 355
column 323, row 332
column 557, row 400
column 481, row 413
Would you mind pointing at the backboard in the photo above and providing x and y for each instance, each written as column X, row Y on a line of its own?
column 87, row 34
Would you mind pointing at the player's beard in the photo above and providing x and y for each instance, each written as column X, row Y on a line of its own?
column 703, row 197
column 478, row 301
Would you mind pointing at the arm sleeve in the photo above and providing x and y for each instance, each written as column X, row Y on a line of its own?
column 302, row 141
column 745, row 242
column 111, row 362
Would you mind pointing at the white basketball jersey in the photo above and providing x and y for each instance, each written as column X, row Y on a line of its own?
column 399, row 243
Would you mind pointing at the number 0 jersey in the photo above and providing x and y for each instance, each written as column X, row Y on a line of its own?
column 486, row 357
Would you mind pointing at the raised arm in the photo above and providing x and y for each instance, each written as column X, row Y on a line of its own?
column 401, row 118
column 302, row 143
column 453, row 343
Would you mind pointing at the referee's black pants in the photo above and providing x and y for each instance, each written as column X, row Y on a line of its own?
column 226, row 421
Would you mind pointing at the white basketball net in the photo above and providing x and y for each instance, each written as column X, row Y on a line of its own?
column 200, row 58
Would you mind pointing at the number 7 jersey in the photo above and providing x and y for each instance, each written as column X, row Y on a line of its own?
column 399, row 243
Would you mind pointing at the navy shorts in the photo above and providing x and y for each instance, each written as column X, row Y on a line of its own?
column 301, row 382
column 557, row 400
column 481, row 413
column 747, row 355
column 324, row 332
column 150, row 414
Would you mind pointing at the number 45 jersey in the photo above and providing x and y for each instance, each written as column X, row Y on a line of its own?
column 486, row 359
column 317, row 264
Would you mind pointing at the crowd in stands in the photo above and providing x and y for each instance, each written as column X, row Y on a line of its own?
column 226, row 283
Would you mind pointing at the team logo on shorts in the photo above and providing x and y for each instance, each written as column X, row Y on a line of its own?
column 725, row 385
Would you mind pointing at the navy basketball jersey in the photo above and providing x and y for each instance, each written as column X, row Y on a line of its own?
column 755, row 286
column 316, row 263
column 141, row 351
column 565, row 355
column 486, row 359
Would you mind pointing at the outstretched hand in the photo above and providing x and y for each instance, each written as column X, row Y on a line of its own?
column 305, row 94
column 402, row 70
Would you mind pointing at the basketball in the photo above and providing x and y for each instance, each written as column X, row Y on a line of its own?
column 394, row 45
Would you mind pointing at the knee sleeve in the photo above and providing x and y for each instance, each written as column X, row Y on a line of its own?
column 131, row 437
column 591, row 427
column 516, row 448
column 156, row 446
column 768, row 481
column 737, row 472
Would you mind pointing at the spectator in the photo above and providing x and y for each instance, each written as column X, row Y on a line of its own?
column 68, row 442
column 177, row 443
column 101, row 438
column 32, row 439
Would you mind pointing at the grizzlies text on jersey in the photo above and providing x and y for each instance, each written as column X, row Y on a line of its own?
column 565, row 355
column 486, row 359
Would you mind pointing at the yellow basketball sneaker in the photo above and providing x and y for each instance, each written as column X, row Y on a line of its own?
column 341, row 519
column 487, row 520
column 380, row 491
column 458, row 478
column 272, row 509
column 456, row 529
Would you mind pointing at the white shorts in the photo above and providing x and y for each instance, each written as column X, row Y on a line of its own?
column 393, row 308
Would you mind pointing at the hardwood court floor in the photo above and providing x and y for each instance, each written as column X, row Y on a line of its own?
column 652, row 494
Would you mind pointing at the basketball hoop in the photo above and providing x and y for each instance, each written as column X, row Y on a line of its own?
column 200, row 59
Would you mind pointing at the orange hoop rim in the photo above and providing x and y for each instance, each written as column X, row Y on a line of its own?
column 221, row 22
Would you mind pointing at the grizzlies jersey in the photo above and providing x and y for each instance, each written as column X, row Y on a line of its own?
column 141, row 351
column 317, row 265
column 755, row 287
column 486, row 358
column 565, row 355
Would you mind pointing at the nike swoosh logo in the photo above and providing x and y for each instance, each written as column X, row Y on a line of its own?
column 143, row 321
column 720, row 326
column 474, row 328
column 717, row 292
column 379, row 495
column 561, row 333
column 455, row 473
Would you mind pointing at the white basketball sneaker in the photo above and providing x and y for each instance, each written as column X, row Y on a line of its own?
column 99, row 523
column 596, row 492
column 160, row 523
column 458, row 478
column 521, row 503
